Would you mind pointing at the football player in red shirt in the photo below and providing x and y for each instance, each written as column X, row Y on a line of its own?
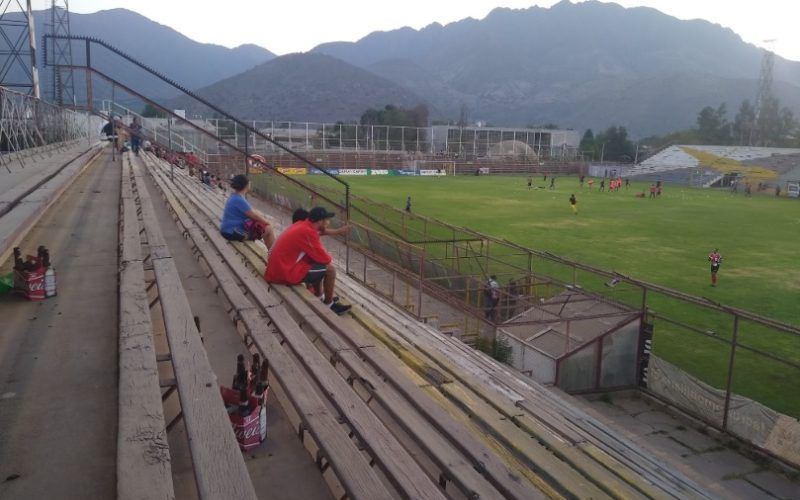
column 716, row 259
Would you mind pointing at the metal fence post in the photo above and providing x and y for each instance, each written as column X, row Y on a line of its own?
column 246, row 154
column 730, row 373
column 364, row 273
column 421, row 278
column 347, row 234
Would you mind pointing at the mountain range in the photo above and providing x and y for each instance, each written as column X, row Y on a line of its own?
column 300, row 87
column 581, row 65
column 584, row 65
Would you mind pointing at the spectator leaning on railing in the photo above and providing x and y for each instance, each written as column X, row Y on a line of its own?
column 299, row 257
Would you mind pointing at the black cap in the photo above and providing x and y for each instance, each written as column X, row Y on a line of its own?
column 316, row 214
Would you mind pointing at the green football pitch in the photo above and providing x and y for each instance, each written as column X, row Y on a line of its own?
column 665, row 241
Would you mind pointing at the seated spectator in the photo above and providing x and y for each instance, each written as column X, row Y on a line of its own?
column 108, row 131
column 302, row 214
column 299, row 257
column 192, row 159
column 239, row 221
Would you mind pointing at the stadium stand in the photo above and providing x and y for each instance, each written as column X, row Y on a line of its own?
column 702, row 166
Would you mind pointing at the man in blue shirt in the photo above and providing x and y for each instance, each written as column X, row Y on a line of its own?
column 240, row 221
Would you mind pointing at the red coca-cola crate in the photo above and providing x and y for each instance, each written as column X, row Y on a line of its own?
column 250, row 429
column 30, row 284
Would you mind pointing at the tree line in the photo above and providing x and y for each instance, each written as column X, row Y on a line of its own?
column 772, row 126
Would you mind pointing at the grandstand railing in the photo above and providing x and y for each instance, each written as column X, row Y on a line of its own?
column 90, row 42
column 30, row 126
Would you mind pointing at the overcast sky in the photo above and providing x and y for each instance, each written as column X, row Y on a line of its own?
column 297, row 26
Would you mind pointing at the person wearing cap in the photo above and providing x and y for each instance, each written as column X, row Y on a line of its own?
column 299, row 257
column 302, row 214
column 240, row 222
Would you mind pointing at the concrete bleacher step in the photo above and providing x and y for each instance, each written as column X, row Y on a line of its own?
column 23, row 203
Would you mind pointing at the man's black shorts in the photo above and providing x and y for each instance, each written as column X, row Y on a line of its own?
column 714, row 268
column 315, row 274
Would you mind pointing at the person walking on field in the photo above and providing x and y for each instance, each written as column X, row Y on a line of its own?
column 652, row 190
column 240, row 222
column 408, row 204
column 552, row 183
column 574, row 204
column 530, row 182
column 299, row 257
column 716, row 259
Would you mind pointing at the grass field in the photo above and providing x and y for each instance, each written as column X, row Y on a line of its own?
column 665, row 241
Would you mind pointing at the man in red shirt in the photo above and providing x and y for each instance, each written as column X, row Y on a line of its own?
column 297, row 256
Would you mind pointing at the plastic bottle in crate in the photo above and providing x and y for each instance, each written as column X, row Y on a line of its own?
column 50, row 289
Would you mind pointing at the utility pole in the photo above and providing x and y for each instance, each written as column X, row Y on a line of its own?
column 18, row 46
column 764, row 97
column 63, row 88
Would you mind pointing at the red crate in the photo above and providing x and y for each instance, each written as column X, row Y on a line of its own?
column 251, row 429
column 30, row 284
